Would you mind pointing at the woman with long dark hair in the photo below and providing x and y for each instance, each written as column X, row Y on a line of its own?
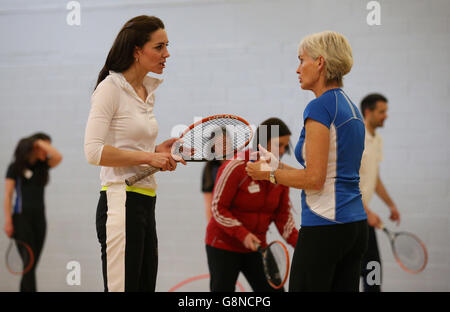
column 242, row 210
column 121, row 137
column 27, row 176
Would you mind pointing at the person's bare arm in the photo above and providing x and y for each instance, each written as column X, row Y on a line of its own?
column 372, row 218
column 314, row 175
column 7, row 203
column 284, row 166
column 54, row 156
column 383, row 194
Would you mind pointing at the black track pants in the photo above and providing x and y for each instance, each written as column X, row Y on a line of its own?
column 225, row 266
column 126, row 231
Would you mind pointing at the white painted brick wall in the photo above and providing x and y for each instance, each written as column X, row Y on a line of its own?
column 227, row 57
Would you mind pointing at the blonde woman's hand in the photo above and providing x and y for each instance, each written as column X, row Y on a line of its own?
column 258, row 170
column 269, row 157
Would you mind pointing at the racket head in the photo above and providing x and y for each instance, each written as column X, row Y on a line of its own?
column 215, row 137
column 19, row 257
column 276, row 264
column 409, row 252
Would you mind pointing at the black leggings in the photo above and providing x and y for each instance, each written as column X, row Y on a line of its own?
column 31, row 229
column 225, row 266
column 328, row 258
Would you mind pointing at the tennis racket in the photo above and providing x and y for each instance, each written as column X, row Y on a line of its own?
column 275, row 259
column 409, row 251
column 19, row 257
column 215, row 137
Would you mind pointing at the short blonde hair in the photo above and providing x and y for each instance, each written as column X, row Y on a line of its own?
column 334, row 48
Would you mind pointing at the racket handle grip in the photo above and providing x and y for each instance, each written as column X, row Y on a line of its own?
column 138, row 177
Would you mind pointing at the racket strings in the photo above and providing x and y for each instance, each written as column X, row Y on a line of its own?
column 18, row 258
column 410, row 252
column 217, row 138
column 275, row 264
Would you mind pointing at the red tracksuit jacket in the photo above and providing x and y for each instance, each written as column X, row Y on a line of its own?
column 241, row 206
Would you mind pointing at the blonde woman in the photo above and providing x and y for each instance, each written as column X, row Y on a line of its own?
column 333, row 234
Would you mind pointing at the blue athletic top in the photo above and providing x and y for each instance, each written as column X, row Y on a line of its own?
column 339, row 201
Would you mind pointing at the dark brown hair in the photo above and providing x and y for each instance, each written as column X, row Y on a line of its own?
column 265, row 130
column 23, row 152
column 135, row 33
column 370, row 102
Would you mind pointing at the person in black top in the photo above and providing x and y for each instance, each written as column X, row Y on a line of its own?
column 208, row 180
column 27, row 176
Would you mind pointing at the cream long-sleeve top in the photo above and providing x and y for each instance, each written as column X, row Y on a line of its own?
column 120, row 118
column 370, row 163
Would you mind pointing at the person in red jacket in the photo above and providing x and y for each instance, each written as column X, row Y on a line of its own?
column 242, row 210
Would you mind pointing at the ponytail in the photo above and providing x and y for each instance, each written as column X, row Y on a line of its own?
column 135, row 33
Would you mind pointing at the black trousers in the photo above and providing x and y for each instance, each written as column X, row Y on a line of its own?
column 31, row 228
column 372, row 254
column 328, row 258
column 126, row 230
column 225, row 266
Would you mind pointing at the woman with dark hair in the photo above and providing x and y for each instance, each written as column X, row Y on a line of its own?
column 27, row 176
column 333, row 234
column 242, row 210
column 120, row 137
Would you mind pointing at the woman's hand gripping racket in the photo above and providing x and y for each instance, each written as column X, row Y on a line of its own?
column 275, row 259
column 409, row 251
column 215, row 137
